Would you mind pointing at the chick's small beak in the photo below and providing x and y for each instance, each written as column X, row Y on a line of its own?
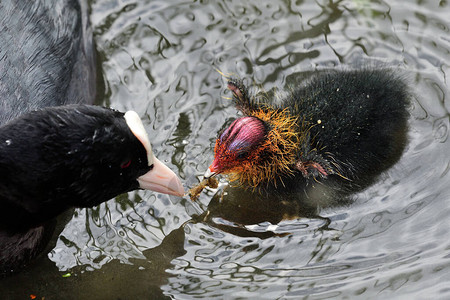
column 161, row 179
column 213, row 170
column 209, row 173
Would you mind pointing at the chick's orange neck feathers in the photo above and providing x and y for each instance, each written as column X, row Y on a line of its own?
column 256, row 149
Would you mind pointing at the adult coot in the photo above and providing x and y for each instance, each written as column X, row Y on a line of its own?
column 56, row 153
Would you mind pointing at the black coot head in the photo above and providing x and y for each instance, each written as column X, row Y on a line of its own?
column 68, row 156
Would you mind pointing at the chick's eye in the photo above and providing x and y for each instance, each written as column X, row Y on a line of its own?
column 242, row 155
column 125, row 164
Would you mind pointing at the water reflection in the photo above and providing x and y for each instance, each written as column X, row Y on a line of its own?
column 160, row 58
column 232, row 208
column 116, row 280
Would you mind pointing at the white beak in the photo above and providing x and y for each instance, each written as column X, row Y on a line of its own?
column 209, row 174
column 161, row 179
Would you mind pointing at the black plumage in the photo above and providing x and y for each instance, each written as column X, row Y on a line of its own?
column 56, row 153
column 62, row 157
column 358, row 122
column 46, row 59
column 333, row 132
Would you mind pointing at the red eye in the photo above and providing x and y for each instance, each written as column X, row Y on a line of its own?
column 125, row 164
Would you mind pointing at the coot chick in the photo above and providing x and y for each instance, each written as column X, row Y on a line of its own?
column 333, row 134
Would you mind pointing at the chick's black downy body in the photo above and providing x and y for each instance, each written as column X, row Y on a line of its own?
column 349, row 127
column 357, row 123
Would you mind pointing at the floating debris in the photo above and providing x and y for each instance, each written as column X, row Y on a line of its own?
column 194, row 192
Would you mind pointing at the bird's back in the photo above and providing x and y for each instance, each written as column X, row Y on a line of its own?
column 340, row 105
column 356, row 121
column 46, row 56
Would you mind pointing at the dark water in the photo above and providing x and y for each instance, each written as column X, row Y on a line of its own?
column 161, row 58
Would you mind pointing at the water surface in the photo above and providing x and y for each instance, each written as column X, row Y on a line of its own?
column 164, row 59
